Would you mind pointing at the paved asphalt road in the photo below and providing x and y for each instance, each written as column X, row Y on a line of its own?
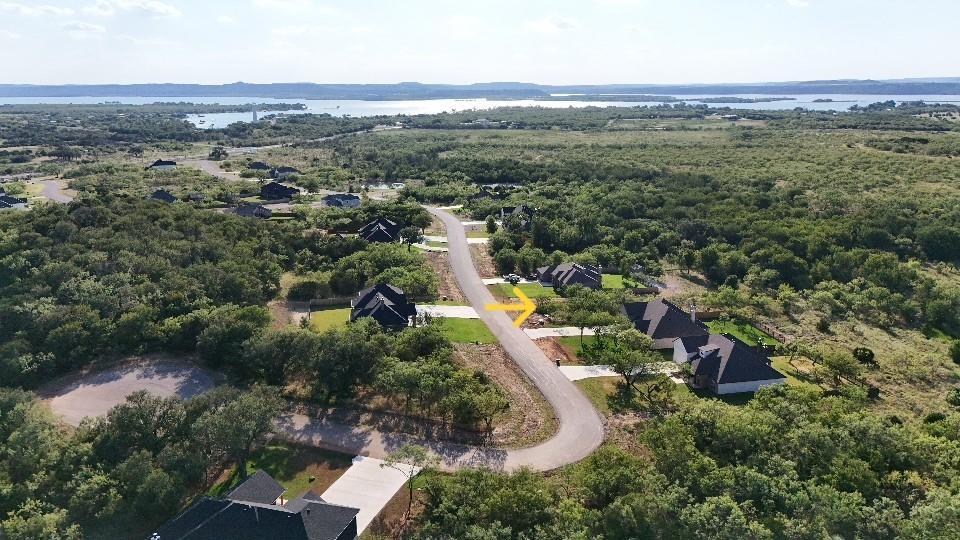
column 581, row 430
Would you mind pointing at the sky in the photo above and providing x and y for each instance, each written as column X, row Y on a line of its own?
column 447, row 41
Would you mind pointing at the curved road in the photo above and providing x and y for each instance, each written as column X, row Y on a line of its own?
column 581, row 429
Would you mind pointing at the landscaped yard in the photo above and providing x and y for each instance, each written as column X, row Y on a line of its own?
column 327, row 318
column 571, row 344
column 532, row 290
column 293, row 466
column 616, row 281
column 466, row 330
column 740, row 330
column 795, row 376
column 478, row 234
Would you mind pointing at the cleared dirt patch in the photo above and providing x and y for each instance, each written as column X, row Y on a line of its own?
column 554, row 351
column 530, row 418
column 447, row 282
column 95, row 393
column 483, row 261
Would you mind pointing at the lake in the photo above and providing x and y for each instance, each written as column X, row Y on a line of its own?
column 346, row 107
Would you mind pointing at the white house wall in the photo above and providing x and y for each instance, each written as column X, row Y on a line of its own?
column 748, row 386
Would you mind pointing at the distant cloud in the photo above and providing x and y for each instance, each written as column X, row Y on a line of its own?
column 285, row 5
column 619, row 2
column 552, row 24
column 153, row 8
column 798, row 3
column 34, row 10
column 6, row 35
column 226, row 19
column 79, row 29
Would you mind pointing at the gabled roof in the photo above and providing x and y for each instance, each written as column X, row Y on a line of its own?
column 259, row 166
column 162, row 163
column 338, row 199
column 276, row 190
column 11, row 201
column 286, row 170
column 260, row 487
column 233, row 518
column 163, row 195
column 253, row 210
column 380, row 230
column 662, row 320
column 567, row 274
column 385, row 304
column 728, row 360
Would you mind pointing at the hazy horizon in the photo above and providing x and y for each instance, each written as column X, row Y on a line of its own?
column 556, row 43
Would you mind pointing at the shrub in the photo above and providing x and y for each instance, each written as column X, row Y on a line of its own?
column 865, row 356
column 955, row 352
column 953, row 397
column 934, row 417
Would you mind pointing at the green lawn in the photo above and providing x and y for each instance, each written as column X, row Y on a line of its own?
column 291, row 465
column 327, row 318
column 794, row 376
column 532, row 290
column 478, row 234
column 741, row 330
column 616, row 281
column 466, row 330
column 571, row 344
column 435, row 244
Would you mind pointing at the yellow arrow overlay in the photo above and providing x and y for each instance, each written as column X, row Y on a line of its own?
column 526, row 306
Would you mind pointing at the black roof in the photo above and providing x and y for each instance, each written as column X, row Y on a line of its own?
column 163, row 195
column 163, row 163
column 286, row 170
column 6, row 199
column 338, row 199
column 385, row 304
column 259, row 166
column 305, row 518
column 727, row 360
column 276, row 190
column 253, row 210
column 662, row 320
column 380, row 230
column 566, row 274
column 260, row 487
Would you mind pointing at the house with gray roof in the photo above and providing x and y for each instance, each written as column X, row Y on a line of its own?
column 256, row 510
column 385, row 304
column 663, row 321
column 569, row 274
column 723, row 364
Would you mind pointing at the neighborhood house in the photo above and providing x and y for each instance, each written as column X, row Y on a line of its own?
column 253, row 211
column 340, row 200
column 385, row 304
column 162, row 165
column 663, row 321
column 256, row 509
column 724, row 365
column 282, row 173
column 568, row 274
column 7, row 202
column 163, row 196
column 380, row 230
column 259, row 166
column 275, row 191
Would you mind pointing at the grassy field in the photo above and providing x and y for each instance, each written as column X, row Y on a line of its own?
column 741, row 330
column 616, row 281
column 466, row 330
column 293, row 466
column 571, row 344
column 478, row 234
column 435, row 244
column 327, row 318
column 796, row 377
column 532, row 290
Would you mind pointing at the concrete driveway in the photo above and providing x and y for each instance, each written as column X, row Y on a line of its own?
column 96, row 393
column 369, row 486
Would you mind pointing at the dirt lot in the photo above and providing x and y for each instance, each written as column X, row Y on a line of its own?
column 554, row 351
column 483, row 261
column 447, row 283
column 530, row 418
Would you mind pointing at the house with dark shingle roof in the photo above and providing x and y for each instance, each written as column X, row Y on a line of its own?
column 663, row 321
column 253, row 211
column 723, row 364
column 162, row 165
column 380, row 230
column 243, row 516
column 11, row 203
column 259, row 166
column 385, row 304
column 275, row 191
column 569, row 274
column 342, row 200
column 163, row 196
column 523, row 212
column 282, row 173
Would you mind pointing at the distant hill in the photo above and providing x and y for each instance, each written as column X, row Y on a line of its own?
column 493, row 90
